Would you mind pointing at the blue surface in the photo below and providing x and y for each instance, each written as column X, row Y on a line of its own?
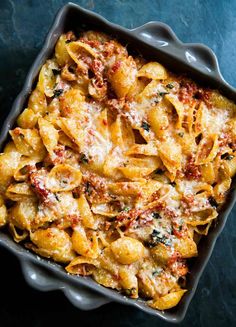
column 23, row 27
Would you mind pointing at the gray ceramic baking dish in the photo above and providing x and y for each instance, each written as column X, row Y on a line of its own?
column 152, row 40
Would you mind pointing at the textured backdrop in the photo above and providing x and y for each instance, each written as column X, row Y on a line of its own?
column 23, row 27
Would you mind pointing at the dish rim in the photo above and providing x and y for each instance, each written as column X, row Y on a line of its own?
column 137, row 34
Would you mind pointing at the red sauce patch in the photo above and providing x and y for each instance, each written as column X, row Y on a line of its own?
column 92, row 43
column 97, row 66
column 187, row 91
column 170, row 213
column 192, row 171
column 187, row 202
column 37, row 181
column 116, row 66
column 177, row 265
column 75, row 219
column 125, row 218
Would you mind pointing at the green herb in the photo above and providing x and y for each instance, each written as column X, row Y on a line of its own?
column 163, row 93
column 83, row 159
column 156, row 101
column 64, row 182
column 75, row 195
column 227, row 156
column 126, row 209
column 24, row 170
column 21, row 136
column 181, row 134
column 56, row 71
column 213, row 202
column 156, row 215
column 156, row 272
column 170, row 86
column 130, row 291
column 145, row 126
column 112, row 219
column 72, row 70
column 159, row 171
column 88, row 188
column 156, row 237
column 197, row 96
column 57, row 93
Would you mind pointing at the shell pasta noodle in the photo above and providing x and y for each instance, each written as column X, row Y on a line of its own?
column 117, row 167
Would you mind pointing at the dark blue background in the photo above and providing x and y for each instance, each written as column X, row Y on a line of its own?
column 23, row 27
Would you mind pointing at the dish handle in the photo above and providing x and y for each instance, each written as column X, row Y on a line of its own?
column 42, row 279
column 198, row 55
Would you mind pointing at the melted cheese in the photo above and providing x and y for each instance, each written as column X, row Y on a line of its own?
column 126, row 186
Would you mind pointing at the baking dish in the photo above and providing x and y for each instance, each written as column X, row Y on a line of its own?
column 153, row 40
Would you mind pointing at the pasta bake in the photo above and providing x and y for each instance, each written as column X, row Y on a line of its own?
column 117, row 167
